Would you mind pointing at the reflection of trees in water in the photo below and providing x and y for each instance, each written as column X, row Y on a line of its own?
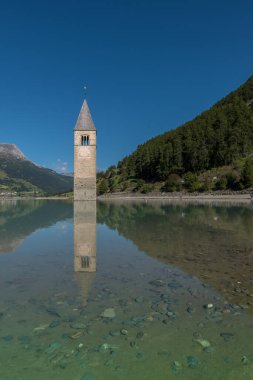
column 214, row 243
column 19, row 219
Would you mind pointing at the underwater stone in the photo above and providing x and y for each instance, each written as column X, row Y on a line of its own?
column 208, row 306
column 192, row 362
column 209, row 350
column 174, row 285
column 139, row 299
column 76, row 335
column 78, row 326
column 190, row 309
column 176, row 366
column 227, row 336
column 140, row 334
column 53, row 347
column 7, row 338
column 114, row 332
column 88, row 376
column 24, row 339
column 203, row 342
column 108, row 313
column 245, row 360
column 55, row 323
column 157, row 283
column 140, row 355
column 53, row 311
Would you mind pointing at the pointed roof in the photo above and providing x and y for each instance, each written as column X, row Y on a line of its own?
column 84, row 121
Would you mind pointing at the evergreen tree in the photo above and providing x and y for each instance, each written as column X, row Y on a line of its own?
column 102, row 187
column 247, row 173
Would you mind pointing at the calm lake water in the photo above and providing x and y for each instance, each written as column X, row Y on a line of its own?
column 125, row 290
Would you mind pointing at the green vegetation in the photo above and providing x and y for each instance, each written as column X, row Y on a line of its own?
column 221, row 137
column 247, row 174
column 23, row 177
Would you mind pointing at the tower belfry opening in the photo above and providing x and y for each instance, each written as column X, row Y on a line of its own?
column 85, row 140
column 85, row 156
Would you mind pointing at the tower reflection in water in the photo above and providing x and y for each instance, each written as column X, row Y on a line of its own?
column 85, row 245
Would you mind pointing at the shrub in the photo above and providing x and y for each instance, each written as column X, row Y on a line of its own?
column 102, row 187
column 191, row 182
column 222, row 183
column 173, row 183
column 247, row 173
column 147, row 188
column 139, row 184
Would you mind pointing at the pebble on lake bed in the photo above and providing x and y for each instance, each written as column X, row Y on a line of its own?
column 176, row 366
column 76, row 335
column 203, row 342
column 108, row 313
column 208, row 306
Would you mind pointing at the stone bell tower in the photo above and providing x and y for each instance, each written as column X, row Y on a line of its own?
column 85, row 156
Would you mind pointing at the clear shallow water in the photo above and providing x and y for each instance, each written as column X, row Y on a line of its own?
column 156, row 265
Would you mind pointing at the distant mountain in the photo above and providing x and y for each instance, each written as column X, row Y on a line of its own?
column 213, row 139
column 20, row 175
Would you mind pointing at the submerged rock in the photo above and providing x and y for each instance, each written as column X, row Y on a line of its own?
column 7, row 338
column 108, row 313
column 208, row 306
column 176, row 366
column 53, row 347
column 140, row 355
column 203, row 342
column 88, row 376
column 157, row 283
column 140, row 334
column 78, row 326
column 139, row 299
column 190, row 309
column 209, row 350
column 53, row 311
column 40, row 328
column 114, row 332
column 245, row 360
column 227, row 336
column 192, row 362
column 24, row 339
column 55, row 323
column 76, row 335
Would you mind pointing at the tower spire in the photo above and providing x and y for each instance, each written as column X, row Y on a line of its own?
column 84, row 121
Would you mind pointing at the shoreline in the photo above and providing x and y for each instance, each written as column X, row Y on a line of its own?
column 208, row 197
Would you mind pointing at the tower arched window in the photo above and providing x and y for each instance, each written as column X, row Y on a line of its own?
column 85, row 140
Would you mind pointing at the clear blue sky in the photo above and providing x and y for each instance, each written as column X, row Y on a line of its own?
column 149, row 65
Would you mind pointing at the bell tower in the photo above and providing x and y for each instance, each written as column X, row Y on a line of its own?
column 85, row 137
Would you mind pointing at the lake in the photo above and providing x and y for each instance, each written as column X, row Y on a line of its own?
column 125, row 290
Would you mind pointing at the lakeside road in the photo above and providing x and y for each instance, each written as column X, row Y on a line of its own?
column 208, row 197
column 242, row 197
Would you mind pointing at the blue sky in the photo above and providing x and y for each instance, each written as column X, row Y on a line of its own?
column 149, row 65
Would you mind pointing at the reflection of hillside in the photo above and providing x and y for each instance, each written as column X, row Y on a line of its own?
column 214, row 243
column 18, row 219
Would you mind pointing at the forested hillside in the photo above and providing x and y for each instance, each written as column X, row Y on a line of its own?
column 219, row 137
column 18, row 175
